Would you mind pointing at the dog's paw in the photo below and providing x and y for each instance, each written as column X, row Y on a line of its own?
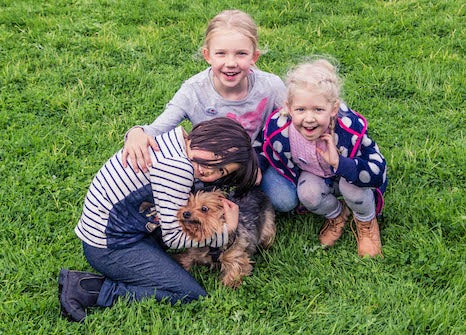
column 231, row 282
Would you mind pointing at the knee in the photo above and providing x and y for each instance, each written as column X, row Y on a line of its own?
column 309, row 198
column 353, row 193
column 283, row 200
column 281, row 192
column 285, row 204
column 347, row 189
column 196, row 295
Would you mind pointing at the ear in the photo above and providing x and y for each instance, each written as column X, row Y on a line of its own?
column 255, row 56
column 205, row 53
column 335, row 109
column 188, row 148
column 288, row 109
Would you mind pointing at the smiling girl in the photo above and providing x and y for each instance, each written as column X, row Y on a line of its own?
column 320, row 150
column 232, row 86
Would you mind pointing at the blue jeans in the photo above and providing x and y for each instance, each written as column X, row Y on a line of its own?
column 142, row 270
column 281, row 191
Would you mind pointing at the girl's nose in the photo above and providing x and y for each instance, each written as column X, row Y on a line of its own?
column 230, row 61
column 309, row 117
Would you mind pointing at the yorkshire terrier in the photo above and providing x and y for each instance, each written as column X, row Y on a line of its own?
column 203, row 215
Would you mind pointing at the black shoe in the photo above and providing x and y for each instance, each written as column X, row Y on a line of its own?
column 77, row 291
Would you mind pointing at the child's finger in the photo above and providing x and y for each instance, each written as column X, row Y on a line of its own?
column 153, row 144
column 133, row 160
column 229, row 205
column 124, row 159
column 327, row 138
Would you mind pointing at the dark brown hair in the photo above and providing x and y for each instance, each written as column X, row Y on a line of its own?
column 228, row 140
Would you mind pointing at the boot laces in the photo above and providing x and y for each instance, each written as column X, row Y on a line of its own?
column 334, row 224
column 363, row 229
column 331, row 224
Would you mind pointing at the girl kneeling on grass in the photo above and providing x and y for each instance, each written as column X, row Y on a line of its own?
column 121, row 239
column 323, row 149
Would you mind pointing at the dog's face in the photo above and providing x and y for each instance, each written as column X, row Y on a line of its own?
column 203, row 215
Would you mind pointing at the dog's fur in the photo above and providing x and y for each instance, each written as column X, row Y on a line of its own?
column 203, row 215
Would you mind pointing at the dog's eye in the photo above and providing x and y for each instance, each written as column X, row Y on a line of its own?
column 204, row 209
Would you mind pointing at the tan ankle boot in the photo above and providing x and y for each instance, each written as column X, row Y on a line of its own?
column 368, row 238
column 333, row 228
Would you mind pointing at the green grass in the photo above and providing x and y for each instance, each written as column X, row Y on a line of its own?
column 75, row 75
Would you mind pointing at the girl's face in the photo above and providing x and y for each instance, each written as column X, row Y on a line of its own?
column 231, row 55
column 206, row 173
column 311, row 113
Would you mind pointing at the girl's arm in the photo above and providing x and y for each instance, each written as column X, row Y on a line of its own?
column 258, row 147
column 171, row 184
column 366, row 169
column 139, row 138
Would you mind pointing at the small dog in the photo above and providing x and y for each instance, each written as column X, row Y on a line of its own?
column 203, row 215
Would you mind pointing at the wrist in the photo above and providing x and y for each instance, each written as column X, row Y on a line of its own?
column 133, row 130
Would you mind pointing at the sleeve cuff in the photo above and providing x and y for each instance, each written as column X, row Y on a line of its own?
column 346, row 168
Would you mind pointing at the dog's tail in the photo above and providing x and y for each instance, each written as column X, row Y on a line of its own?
column 268, row 229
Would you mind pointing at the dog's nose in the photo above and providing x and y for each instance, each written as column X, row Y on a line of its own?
column 186, row 215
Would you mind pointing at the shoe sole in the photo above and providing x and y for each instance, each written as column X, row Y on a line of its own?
column 61, row 281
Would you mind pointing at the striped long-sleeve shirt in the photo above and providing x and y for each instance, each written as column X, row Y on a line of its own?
column 111, row 215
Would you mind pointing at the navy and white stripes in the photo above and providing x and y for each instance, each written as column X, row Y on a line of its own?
column 111, row 217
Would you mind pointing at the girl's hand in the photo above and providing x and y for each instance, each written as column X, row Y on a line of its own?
column 136, row 147
column 331, row 156
column 231, row 214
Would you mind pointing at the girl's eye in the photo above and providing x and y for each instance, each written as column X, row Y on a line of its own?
column 222, row 171
column 204, row 209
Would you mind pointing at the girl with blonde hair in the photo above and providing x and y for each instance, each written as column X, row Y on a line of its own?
column 323, row 150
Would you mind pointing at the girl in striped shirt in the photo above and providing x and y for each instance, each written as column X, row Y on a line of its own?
column 119, row 239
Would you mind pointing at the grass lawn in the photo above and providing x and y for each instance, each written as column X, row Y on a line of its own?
column 76, row 74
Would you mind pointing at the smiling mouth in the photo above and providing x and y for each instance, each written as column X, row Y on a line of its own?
column 230, row 74
column 310, row 128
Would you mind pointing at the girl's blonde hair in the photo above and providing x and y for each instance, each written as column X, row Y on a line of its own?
column 318, row 76
column 232, row 19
